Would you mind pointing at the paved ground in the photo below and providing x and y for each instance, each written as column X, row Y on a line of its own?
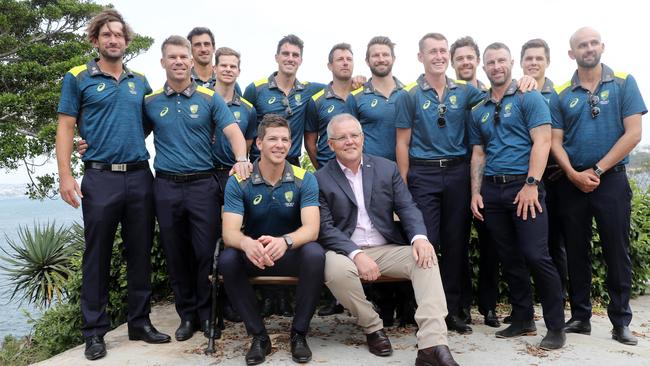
column 338, row 341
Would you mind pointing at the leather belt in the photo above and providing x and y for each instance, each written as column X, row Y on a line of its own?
column 440, row 163
column 503, row 179
column 125, row 167
column 183, row 178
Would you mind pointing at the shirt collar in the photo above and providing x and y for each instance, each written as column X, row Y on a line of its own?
column 346, row 169
column 424, row 84
column 329, row 92
column 512, row 89
column 369, row 89
column 606, row 75
column 187, row 92
column 287, row 174
column 274, row 85
column 548, row 86
column 236, row 99
column 196, row 78
column 94, row 69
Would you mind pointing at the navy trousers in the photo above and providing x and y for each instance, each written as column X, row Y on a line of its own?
column 109, row 199
column 610, row 205
column 443, row 196
column 556, row 242
column 188, row 217
column 522, row 244
column 306, row 262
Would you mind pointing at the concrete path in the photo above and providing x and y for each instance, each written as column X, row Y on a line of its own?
column 337, row 340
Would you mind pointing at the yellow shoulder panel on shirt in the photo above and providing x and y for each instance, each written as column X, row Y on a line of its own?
column 318, row 95
column 298, row 172
column 205, row 90
column 479, row 104
column 560, row 88
column 154, row 93
column 246, row 102
column 261, row 82
column 355, row 92
column 410, row 86
column 138, row 72
column 238, row 178
column 78, row 69
column 461, row 82
column 621, row 75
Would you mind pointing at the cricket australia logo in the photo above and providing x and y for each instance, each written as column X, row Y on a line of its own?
column 507, row 110
column 101, row 87
column 194, row 108
column 298, row 99
column 257, row 200
column 604, row 97
column 164, row 112
column 288, row 196
column 132, row 90
column 237, row 115
column 426, row 105
column 453, row 101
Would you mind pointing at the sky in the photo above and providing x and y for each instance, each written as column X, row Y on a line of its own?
column 254, row 27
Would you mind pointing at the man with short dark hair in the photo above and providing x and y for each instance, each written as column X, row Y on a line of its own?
column 103, row 98
column 510, row 132
column 278, row 208
column 202, row 41
column 596, row 124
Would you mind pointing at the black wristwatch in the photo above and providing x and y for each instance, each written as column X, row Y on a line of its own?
column 288, row 240
column 531, row 181
column 597, row 170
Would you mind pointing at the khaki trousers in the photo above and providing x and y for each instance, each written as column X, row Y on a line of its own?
column 342, row 278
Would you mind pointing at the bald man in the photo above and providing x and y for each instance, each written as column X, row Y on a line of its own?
column 596, row 123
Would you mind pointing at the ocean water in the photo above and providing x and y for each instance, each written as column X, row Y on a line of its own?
column 18, row 210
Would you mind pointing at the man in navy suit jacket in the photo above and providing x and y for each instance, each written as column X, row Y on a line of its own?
column 358, row 196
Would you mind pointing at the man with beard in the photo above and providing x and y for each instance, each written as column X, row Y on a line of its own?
column 328, row 103
column 104, row 99
column 511, row 136
column 596, row 123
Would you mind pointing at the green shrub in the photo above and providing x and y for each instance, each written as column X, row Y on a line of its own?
column 58, row 329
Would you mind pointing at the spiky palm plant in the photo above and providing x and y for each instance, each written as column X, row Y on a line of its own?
column 37, row 265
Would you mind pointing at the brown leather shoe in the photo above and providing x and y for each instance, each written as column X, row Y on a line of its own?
column 435, row 356
column 379, row 344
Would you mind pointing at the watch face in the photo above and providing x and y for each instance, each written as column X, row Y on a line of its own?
column 530, row 180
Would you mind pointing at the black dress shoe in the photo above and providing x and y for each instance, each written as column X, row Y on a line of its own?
column 205, row 328
column 507, row 319
column 268, row 307
column 578, row 326
column 95, row 348
column 331, row 308
column 147, row 333
column 284, row 307
column 518, row 328
column 466, row 315
column 379, row 344
column 554, row 339
column 230, row 314
column 260, row 347
column 185, row 330
column 456, row 324
column 624, row 335
column 491, row 319
column 435, row 356
column 300, row 351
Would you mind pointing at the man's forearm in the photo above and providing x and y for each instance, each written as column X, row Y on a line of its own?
column 477, row 169
column 64, row 146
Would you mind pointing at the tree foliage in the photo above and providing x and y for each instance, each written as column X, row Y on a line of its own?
column 40, row 40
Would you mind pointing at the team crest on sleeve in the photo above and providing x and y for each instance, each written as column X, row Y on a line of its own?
column 426, row 105
column 194, row 108
column 485, row 117
column 132, row 90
